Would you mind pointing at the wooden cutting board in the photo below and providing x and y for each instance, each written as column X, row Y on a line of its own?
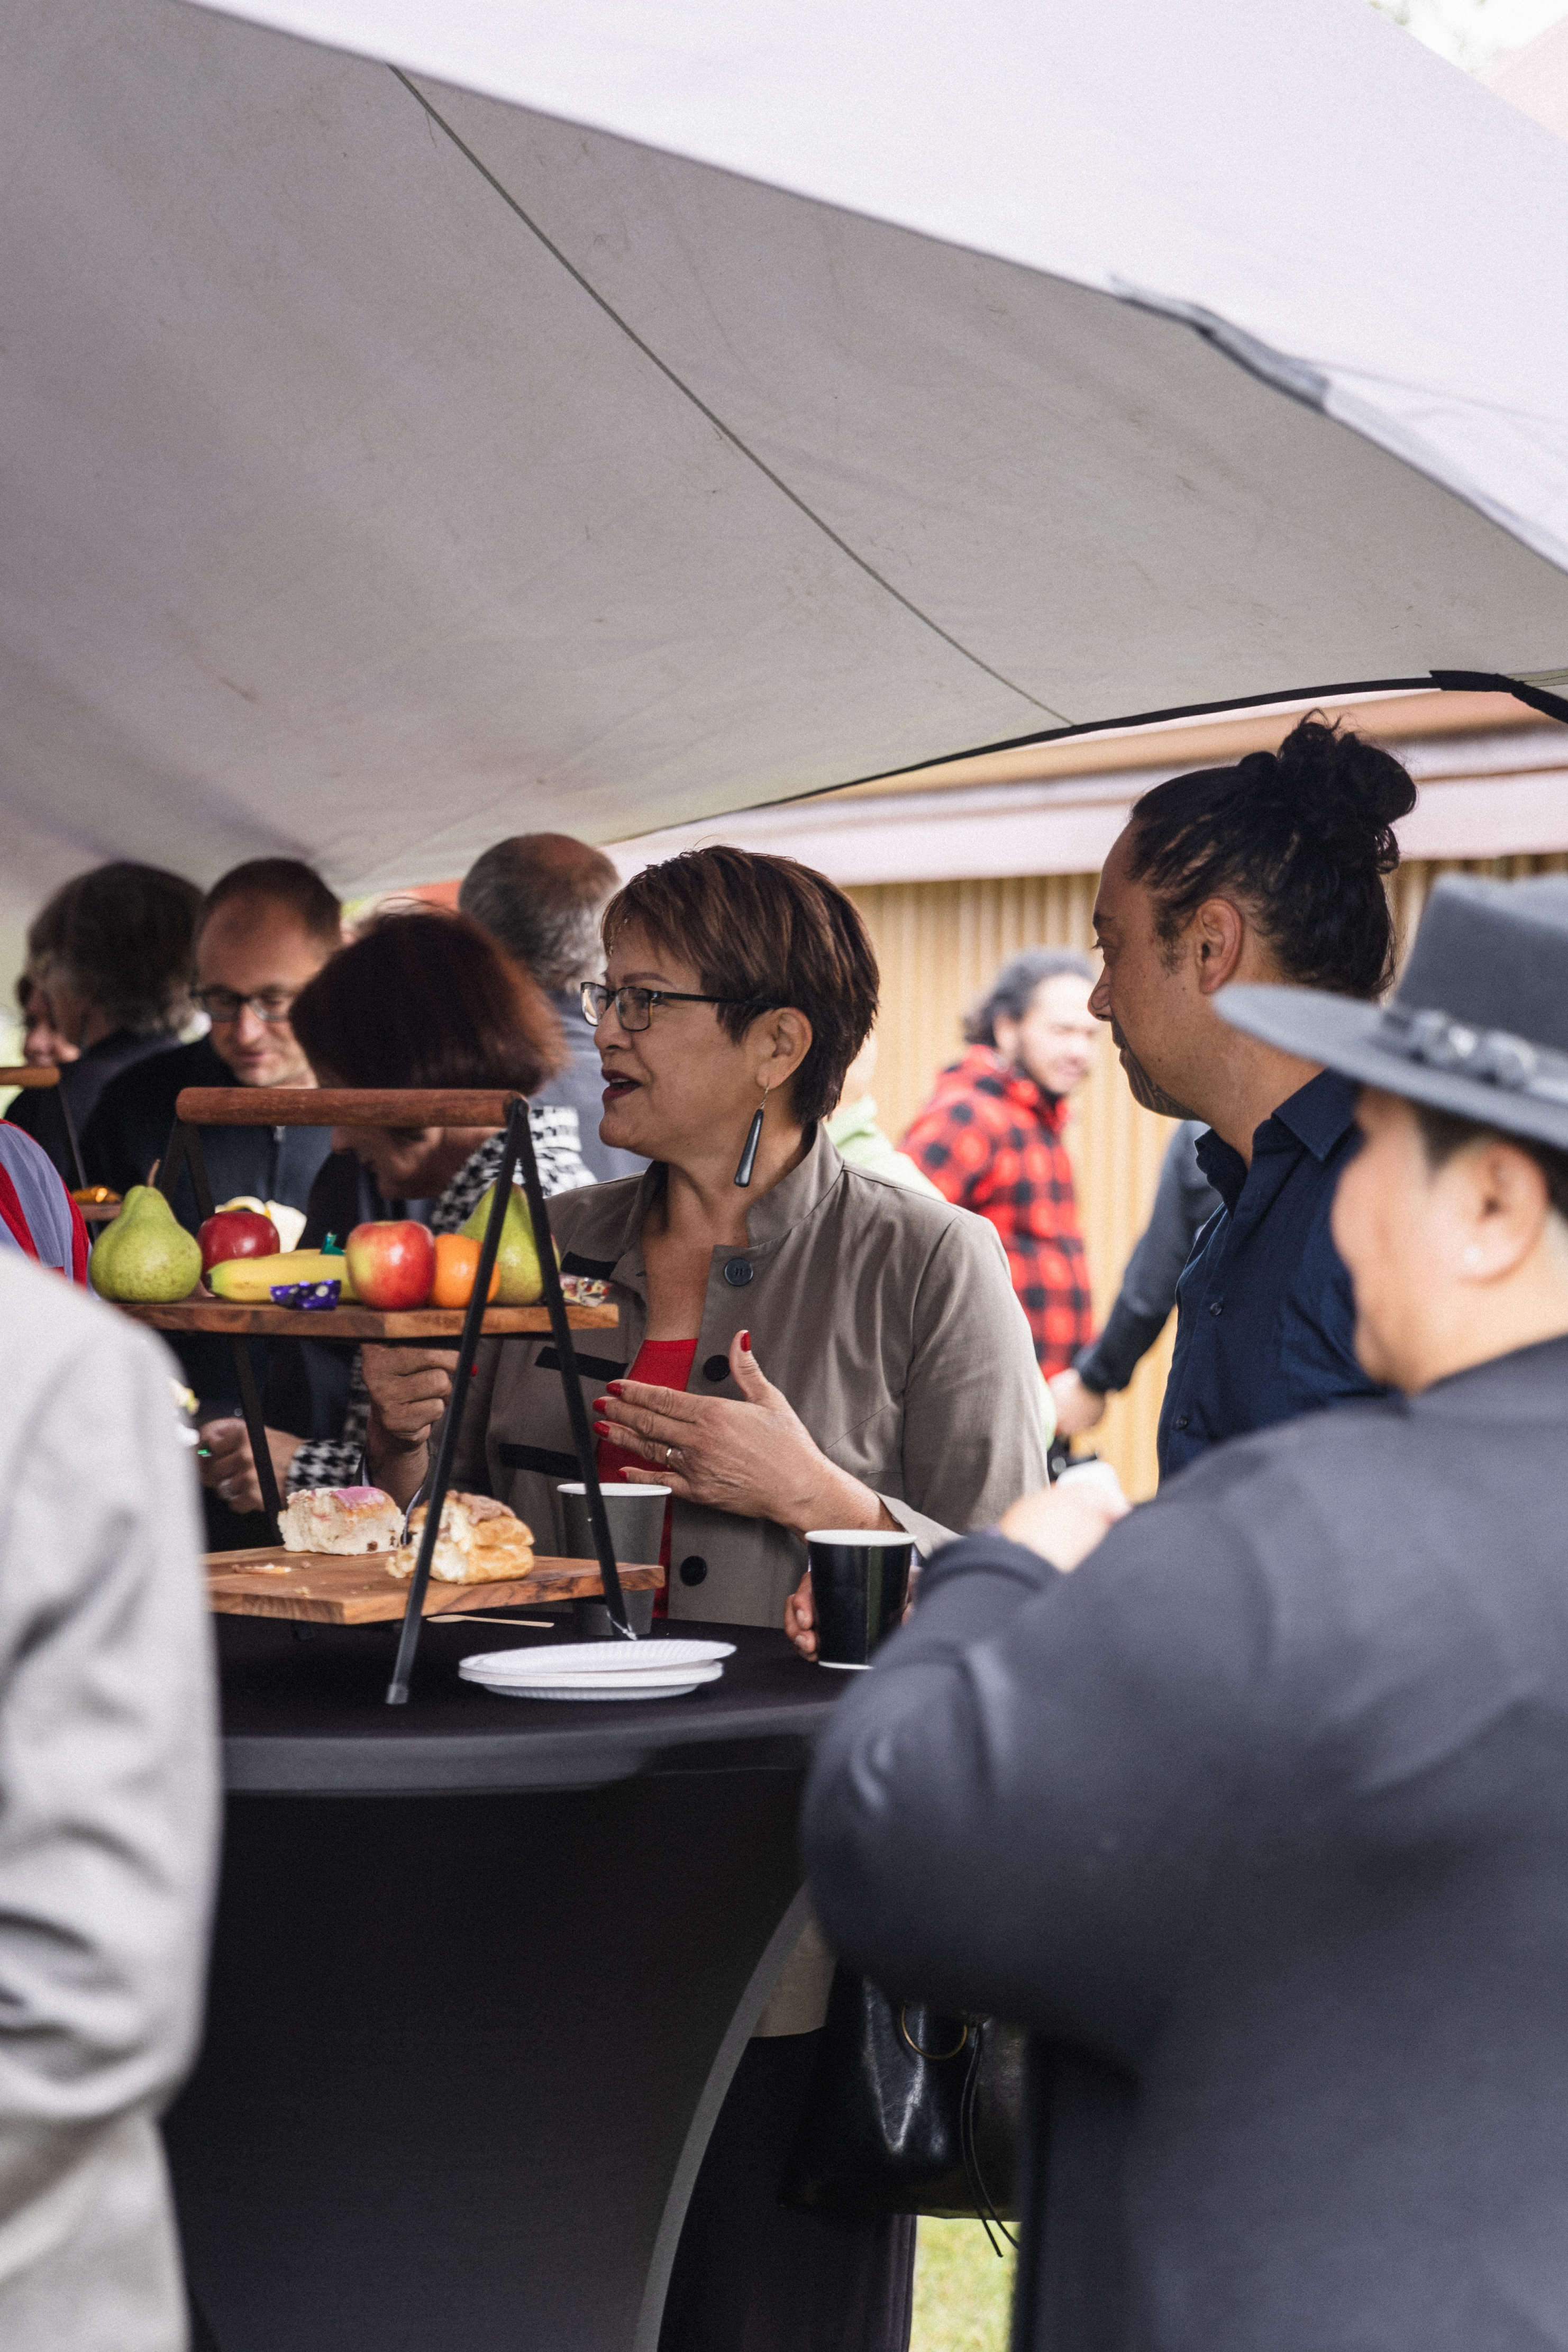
column 322, row 1588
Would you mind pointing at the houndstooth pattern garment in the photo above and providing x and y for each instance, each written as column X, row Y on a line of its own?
column 338, row 1461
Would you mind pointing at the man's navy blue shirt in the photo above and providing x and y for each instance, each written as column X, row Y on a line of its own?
column 1265, row 1314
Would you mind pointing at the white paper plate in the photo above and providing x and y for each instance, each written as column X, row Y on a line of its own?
column 608, row 1686
column 622, row 1696
column 605, row 1661
column 585, row 1679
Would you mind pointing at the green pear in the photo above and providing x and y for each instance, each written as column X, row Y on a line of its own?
column 145, row 1259
column 521, row 1284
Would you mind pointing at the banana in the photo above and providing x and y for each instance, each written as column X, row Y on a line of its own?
column 248, row 1281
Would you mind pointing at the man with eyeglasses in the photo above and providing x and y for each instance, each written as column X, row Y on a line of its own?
column 264, row 930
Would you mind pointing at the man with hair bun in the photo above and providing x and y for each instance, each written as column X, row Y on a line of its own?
column 991, row 1139
column 1268, row 872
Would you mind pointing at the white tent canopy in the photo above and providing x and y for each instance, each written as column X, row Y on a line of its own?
column 602, row 414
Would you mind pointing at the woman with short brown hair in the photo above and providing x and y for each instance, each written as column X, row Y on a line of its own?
column 899, row 1389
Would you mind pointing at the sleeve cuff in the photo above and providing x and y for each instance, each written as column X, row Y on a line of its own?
column 1091, row 1372
column 930, row 1534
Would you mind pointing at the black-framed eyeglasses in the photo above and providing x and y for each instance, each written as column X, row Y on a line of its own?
column 634, row 1006
column 223, row 1007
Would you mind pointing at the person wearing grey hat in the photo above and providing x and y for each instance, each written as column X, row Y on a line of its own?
column 1272, row 871
column 1258, row 1820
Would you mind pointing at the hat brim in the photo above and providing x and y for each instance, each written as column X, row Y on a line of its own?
column 1342, row 1033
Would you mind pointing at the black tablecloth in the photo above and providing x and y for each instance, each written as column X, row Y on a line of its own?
column 307, row 1717
column 482, row 1970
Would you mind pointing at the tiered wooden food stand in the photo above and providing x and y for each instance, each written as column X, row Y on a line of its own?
column 274, row 1582
column 482, row 1967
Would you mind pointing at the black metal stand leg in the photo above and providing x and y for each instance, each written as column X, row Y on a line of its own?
column 77, row 1162
column 186, row 1150
column 255, row 1429
column 185, row 1147
column 447, row 1452
column 582, row 1435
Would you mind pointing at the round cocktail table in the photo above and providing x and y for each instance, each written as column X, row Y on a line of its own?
column 482, row 1970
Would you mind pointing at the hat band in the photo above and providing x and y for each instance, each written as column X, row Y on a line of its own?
column 1491, row 1056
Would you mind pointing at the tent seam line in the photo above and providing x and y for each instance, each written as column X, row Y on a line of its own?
column 696, row 402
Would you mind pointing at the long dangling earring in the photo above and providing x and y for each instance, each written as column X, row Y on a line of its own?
column 753, row 1137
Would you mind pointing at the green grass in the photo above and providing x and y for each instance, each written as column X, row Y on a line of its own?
column 963, row 2296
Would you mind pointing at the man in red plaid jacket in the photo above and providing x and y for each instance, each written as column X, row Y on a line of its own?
column 990, row 1139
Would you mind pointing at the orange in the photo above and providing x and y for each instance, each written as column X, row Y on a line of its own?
column 456, row 1264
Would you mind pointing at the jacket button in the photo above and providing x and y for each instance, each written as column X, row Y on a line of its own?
column 738, row 1271
column 693, row 1569
column 1216, row 1306
column 717, row 1368
column 1180, row 1422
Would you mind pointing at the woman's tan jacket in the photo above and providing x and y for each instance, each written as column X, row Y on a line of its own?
column 886, row 1317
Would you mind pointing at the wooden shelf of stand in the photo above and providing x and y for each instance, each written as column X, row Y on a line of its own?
column 320, row 1588
column 358, row 1322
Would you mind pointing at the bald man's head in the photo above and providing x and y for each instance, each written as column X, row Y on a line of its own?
column 541, row 894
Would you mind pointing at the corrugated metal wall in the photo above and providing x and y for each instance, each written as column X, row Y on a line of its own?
column 939, row 943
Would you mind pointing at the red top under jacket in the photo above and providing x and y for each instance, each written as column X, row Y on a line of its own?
column 661, row 1364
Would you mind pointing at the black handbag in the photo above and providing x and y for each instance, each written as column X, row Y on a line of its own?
column 909, row 2111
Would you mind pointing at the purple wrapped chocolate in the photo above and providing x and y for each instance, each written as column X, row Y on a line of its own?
column 308, row 1297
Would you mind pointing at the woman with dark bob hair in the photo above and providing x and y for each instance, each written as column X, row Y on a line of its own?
column 111, row 963
column 420, row 999
column 802, row 1344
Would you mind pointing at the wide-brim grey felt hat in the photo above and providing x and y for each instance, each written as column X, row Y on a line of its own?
column 1478, row 1023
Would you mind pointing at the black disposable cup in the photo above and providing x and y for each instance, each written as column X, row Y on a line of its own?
column 859, row 1585
column 636, row 1515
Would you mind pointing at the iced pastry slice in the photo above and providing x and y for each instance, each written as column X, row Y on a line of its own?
column 479, row 1541
column 344, row 1519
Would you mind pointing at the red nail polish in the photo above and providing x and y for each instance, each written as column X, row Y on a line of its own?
column 746, row 1343
column 617, row 1387
column 600, row 1404
column 603, row 1429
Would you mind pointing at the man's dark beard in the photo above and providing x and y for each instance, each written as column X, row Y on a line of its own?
column 1144, row 1090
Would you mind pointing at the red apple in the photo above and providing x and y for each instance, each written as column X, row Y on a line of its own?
column 391, row 1263
column 236, row 1232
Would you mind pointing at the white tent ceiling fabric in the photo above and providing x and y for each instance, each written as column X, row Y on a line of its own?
column 604, row 416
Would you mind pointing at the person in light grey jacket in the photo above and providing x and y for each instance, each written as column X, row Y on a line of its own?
column 108, row 1821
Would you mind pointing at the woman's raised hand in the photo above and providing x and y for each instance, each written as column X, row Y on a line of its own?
column 755, row 1458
